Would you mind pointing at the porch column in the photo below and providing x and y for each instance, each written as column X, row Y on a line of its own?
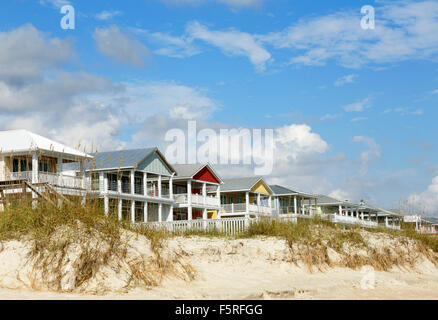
column 340, row 210
column 386, row 221
column 145, row 212
column 258, row 199
column 106, row 205
column 145, row 184
column 119, row 182
column 204, row 193
column 160, row 212
column 132, row 180
column 119, row 210
column 310, row 208
column 35, row 167
column 3, row 169
column 189, row 200
column 218, row 195
column 204, row 214
column 302, row 206
column 82, row 170
column 59, row 169
column 171, row 188
column 159, row 186
column 105, row 183
column 295, row 205
column 247, row 203
column 170, row 216
column 132, row 211
column 270, row 201
column 101, row 181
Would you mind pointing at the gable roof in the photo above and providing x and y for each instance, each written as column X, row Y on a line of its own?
column 322, row 199
column 283, row 191
column 241, row 184
column 24, row 141
column 125, row 158
column 188, row 171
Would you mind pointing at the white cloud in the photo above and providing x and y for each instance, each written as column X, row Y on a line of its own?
column 172, row 46
column 120, row 47
column 367, row 156
column 357, row 106
column 357, row 119
column 427, row 199
column 145, row 99
column 340, row 194
column 345, row 79
column 26, row 52
column 107, row 15
column 404, row 31
column 233, row 43
column 295, row 140
column 404, row 111
column 55, row 3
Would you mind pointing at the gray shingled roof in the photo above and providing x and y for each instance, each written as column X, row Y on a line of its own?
column 280, row 190
column 187, row 170
column 103, row 160
column 239, row 184
column 329, row 200
column 130, row 158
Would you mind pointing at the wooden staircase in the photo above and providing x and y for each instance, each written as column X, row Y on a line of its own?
column 43, row 191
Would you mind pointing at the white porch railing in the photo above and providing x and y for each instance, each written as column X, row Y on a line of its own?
column 288, row 217
column 197, row 199
column 241, row 208
column 54, row 179
column 335, row 218
column 390, row 226
column 228, row 226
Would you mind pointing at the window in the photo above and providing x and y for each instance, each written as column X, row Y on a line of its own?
column 21, row 165
column 43, row 166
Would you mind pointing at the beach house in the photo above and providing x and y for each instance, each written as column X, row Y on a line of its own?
column 349, row 213
column 197, row 190
column 287, row 201
column 246, row 197
column 134, row 185
column 32, row 166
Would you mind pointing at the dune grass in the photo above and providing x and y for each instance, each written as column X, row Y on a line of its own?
column 310, row 240
column 55, row 231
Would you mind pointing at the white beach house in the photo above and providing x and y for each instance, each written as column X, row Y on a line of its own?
column 30, row 164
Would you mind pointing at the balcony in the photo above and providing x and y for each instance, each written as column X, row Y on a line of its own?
column 55, row 179
column 352, row 221
column 239, row 208
column 197, row 199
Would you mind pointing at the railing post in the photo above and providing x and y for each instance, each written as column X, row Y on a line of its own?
column 132, row 180
column 145, row 184
column 132, row 211
column 159, row 186
column 171, row 187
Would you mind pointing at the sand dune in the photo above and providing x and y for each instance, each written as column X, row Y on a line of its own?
column 259, row 268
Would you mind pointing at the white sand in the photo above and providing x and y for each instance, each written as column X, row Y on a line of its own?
column 238, row 269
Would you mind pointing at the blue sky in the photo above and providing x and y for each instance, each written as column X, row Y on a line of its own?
column 355, row 109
